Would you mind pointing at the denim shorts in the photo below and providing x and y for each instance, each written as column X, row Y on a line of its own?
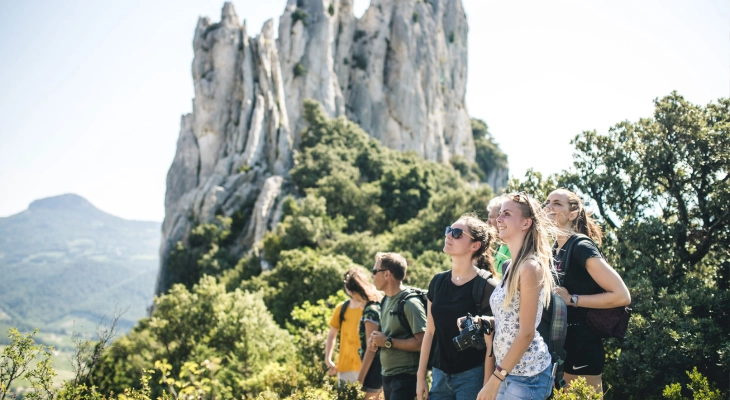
column 537, row 387
column 462, row 386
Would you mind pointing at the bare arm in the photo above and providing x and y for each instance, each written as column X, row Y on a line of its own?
column 422, row 385
column 412, row 344
column 329, row 345
column 368, row 356
column 616, row 295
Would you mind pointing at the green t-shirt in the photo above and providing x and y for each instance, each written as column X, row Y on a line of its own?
column 396, row 361
column 500, row 257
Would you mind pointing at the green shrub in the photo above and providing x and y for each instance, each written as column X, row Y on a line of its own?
column 698, row 386
column 579, row 390
column 299, row 15
column 299, row 276
column 299, row 70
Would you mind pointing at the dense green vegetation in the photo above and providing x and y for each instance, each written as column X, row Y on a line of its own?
column 661, row 189
column 352, row 198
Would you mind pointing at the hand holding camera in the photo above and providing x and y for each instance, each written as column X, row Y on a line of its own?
column 472, row 331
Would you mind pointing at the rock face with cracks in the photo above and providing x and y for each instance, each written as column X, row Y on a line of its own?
column 399, row 71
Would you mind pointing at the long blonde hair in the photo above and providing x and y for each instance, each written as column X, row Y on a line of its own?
column 538, row 243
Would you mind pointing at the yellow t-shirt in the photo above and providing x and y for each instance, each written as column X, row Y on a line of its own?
column 349, row 359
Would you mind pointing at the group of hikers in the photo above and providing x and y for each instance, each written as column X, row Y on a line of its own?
column 481, row 344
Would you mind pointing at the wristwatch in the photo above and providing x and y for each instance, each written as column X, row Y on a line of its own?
column 574, row 300
column 502, row 372
column 388, row 342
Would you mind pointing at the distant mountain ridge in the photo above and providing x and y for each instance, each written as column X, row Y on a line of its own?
column 64, row 260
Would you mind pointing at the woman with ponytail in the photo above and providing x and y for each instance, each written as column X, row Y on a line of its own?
column 359, row 288
column 588, row 283
column 456, row 374
column 523, row 362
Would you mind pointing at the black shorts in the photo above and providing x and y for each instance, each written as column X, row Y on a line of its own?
column 585, row 354
column 399, row 387
column 374, row 379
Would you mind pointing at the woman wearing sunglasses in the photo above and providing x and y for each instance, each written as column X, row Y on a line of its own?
column 588, row 283
column 523, row 364
column 456, row 374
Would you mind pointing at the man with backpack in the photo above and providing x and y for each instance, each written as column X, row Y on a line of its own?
column 403, row 323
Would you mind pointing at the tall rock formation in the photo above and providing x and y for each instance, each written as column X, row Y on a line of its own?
column 399, row 71
column 408, row 77
column 235, row 148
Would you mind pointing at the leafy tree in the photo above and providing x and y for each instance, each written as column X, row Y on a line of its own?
column 536, row 185
column 206, row 255
column 24, row 359
column 489, row 157
column 699, row 386
column 206, row 323
column 422, row 270
column 661, row 186
column 299, row 276
column 306, row 224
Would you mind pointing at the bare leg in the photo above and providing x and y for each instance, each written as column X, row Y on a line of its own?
column 593, row 380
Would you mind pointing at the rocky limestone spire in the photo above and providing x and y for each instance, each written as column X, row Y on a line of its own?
column 235, row 148
column 314, row 40
column 407, row 82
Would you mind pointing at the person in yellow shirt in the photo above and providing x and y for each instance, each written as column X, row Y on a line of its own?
column 348, row 364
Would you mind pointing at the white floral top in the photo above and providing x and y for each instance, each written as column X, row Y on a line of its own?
column 507, row 324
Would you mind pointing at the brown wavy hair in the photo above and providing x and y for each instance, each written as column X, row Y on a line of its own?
column 584, row 223
column 356, row 281
column 482, row 258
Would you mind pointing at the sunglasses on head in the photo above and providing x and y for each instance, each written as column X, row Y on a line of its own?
column 523, row 197
column 456, row 233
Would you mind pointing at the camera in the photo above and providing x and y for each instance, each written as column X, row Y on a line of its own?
column 471, row 335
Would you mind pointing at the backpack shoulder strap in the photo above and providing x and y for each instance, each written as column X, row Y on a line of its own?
column 343, row 310
column 482, row 289
column 402, row 310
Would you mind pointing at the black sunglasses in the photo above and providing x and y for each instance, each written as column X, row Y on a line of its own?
column 456, row 232
column 375, row 270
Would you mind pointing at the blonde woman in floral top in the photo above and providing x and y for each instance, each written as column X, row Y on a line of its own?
column 523, row 367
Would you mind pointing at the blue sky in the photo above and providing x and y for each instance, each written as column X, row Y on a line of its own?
column 91, row 92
